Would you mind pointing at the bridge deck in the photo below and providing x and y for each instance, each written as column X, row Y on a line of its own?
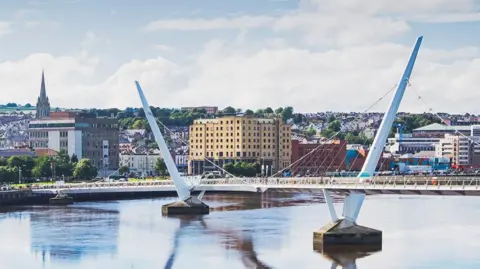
column 384, row 185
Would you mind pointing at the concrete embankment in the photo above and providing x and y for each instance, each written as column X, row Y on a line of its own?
column 26, row 197
column 15, row 197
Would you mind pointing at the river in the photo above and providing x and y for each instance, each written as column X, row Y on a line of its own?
column 242, row 231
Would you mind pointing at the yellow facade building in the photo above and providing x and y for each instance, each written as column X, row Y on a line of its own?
column 239, row 138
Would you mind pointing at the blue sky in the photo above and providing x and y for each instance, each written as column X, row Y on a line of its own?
column 313, row 54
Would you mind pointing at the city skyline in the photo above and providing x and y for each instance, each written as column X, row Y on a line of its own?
column 313, row 55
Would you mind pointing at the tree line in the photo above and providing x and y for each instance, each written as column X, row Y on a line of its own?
column 26, row 168
column 243, row 168
column 134, row 118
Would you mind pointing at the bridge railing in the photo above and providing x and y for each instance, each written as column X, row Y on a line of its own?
column 303, row 181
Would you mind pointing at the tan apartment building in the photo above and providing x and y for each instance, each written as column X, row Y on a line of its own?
column 239, row 138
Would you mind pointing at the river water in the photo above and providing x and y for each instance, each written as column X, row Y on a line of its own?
column 242, row 231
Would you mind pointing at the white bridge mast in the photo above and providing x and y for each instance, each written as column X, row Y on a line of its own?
column 353, row 202
column 368, row 169
column 183, row 190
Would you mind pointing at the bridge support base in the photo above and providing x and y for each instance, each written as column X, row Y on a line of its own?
column 190, row 206
column 344, row 234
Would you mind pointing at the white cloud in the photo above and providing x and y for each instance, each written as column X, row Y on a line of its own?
column 210, row 24
column 395, row 7
column 163, row 48
column 356, row 64
column 5, row 28
column 91, row 40
column 33, row 18
column 339, row 79
column 340, row 23
column 448, row 18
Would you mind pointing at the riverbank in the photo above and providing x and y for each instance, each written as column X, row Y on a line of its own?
column 15, row 197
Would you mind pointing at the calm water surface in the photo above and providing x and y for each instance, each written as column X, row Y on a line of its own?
column 243, row 232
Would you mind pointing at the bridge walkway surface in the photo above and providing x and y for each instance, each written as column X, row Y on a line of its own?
column 380, row 185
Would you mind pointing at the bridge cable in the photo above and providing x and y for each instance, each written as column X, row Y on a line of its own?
column 440, row 118
column 334, row 135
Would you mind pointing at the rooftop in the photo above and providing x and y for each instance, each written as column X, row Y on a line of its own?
column 441, row 127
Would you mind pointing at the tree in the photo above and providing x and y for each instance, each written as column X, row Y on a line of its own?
column 8, row 174
column 298, row 118
column 138, row 124
column 63, row 165
column 161, row 167
column 229, row 168
column 124, row 169
column 15, row 161
column 229, row 110
column 259, row 112
column 74, row 159
column 287, row 113
column 141, row 113
column 28, row 165
column 42, row 167
column 351, row 139
column 249, row 112
column 28, row 105
column 331, row 118
column 335, row 126
column 311, row 132
column 3, row 162
column 279, row 110
column 85, row 169
column 268, row 110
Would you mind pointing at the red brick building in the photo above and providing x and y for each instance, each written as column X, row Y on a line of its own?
column 327, row 156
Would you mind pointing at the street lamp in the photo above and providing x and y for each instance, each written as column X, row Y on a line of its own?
column 19, row 175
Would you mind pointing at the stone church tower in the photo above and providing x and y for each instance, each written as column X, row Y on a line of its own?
column 43, row 105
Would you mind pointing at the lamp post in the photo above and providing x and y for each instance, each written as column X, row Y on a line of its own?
column 19, row 175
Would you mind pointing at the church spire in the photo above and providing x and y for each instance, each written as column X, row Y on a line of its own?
column 43, row 91
column 43, row 104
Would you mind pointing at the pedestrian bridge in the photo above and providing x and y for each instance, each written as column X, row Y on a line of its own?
column 380, row 185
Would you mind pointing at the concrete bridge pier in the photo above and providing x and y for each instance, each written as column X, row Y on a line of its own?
column 344, row 232
column 190, row 206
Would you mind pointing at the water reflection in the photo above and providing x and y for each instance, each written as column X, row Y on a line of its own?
column 69, row 233
column 346, row 259
column 276, row 233
column 242, row 243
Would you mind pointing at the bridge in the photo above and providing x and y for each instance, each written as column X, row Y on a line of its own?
column 377, row 185
column 341, row 230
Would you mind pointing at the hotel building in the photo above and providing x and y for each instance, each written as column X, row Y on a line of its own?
column 239, row 138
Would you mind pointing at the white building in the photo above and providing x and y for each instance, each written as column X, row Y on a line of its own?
column 406, row 143
column 464, row 151
column 140, row 163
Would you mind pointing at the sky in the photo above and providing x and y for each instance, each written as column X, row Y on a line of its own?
column 314, row 55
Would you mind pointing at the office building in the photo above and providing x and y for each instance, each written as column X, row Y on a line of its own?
column 209, row 109
column 81, row 134
column 463, row 151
